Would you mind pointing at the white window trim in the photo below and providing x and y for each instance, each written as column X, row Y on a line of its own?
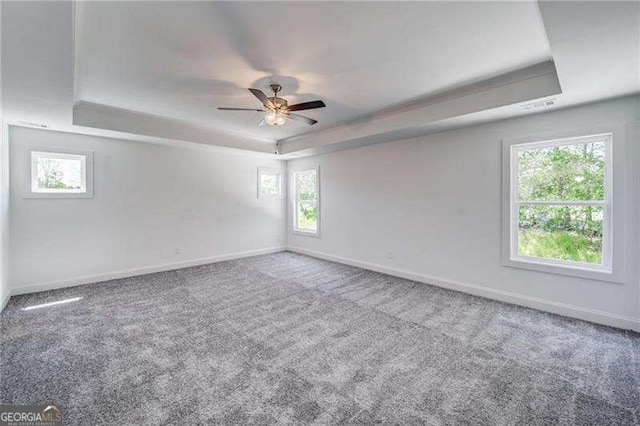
column 87, row 173
column 610, row 270
column 272, row 171
column 295, row 229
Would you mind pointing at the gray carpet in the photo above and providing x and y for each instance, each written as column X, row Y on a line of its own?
column 292, row 339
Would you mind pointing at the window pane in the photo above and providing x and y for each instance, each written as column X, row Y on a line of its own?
column 58, row 174
column 565, row 173
column 571, row 233
column 307, row 215
column 269, row 183
column 306, row 185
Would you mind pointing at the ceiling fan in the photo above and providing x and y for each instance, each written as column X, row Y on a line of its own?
column 278, row 109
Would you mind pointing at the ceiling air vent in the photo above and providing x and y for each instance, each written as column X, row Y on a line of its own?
column 32, row 124
column 539, row 104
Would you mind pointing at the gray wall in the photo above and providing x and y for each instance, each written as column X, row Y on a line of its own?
column 435, row 203
column 153, row 205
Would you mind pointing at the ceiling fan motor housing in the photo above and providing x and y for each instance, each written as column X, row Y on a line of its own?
column 279, row 103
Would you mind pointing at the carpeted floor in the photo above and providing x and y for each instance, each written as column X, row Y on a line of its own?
column 289, row 338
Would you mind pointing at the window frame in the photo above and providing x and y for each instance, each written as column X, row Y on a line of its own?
column 295, row 200
column 608, row 271
column 272, row 171
column 33, row 153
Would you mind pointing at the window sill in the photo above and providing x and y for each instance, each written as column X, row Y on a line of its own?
column 540, row 265
column 315, row 234
column 50, row 195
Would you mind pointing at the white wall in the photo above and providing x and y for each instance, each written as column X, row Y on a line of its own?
column 4, row 194
column 5, row 290
column 435, row 202
column 153, row 205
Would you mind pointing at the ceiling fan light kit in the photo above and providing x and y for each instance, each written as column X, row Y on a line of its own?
column 273, row 118
column 277, row 109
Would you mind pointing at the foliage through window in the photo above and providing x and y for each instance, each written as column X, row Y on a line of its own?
column 306, row 201
column 58, row 173
column 560, row 202
column 269, row 182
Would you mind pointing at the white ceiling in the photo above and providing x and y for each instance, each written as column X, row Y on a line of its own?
column 182, row 60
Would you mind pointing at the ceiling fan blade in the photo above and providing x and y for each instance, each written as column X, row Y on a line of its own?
column 306, row 105
column 262, row 97
column 261, row 123
column 240, row 109
column 296, row 117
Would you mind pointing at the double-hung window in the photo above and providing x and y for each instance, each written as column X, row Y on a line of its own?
column 560, row 198
column 306, row 209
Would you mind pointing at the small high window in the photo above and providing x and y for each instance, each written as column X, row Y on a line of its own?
column 560, row 203
column 269, row 182
column 306, row 214
column 60, row 174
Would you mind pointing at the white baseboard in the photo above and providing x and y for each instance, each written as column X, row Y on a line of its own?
column 89, row 279
column 4, row 301
column 573, row 311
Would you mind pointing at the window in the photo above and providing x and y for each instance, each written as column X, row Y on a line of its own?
column 269, row 182
column 560, row 203
column 60, row 174
column 306, row 214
